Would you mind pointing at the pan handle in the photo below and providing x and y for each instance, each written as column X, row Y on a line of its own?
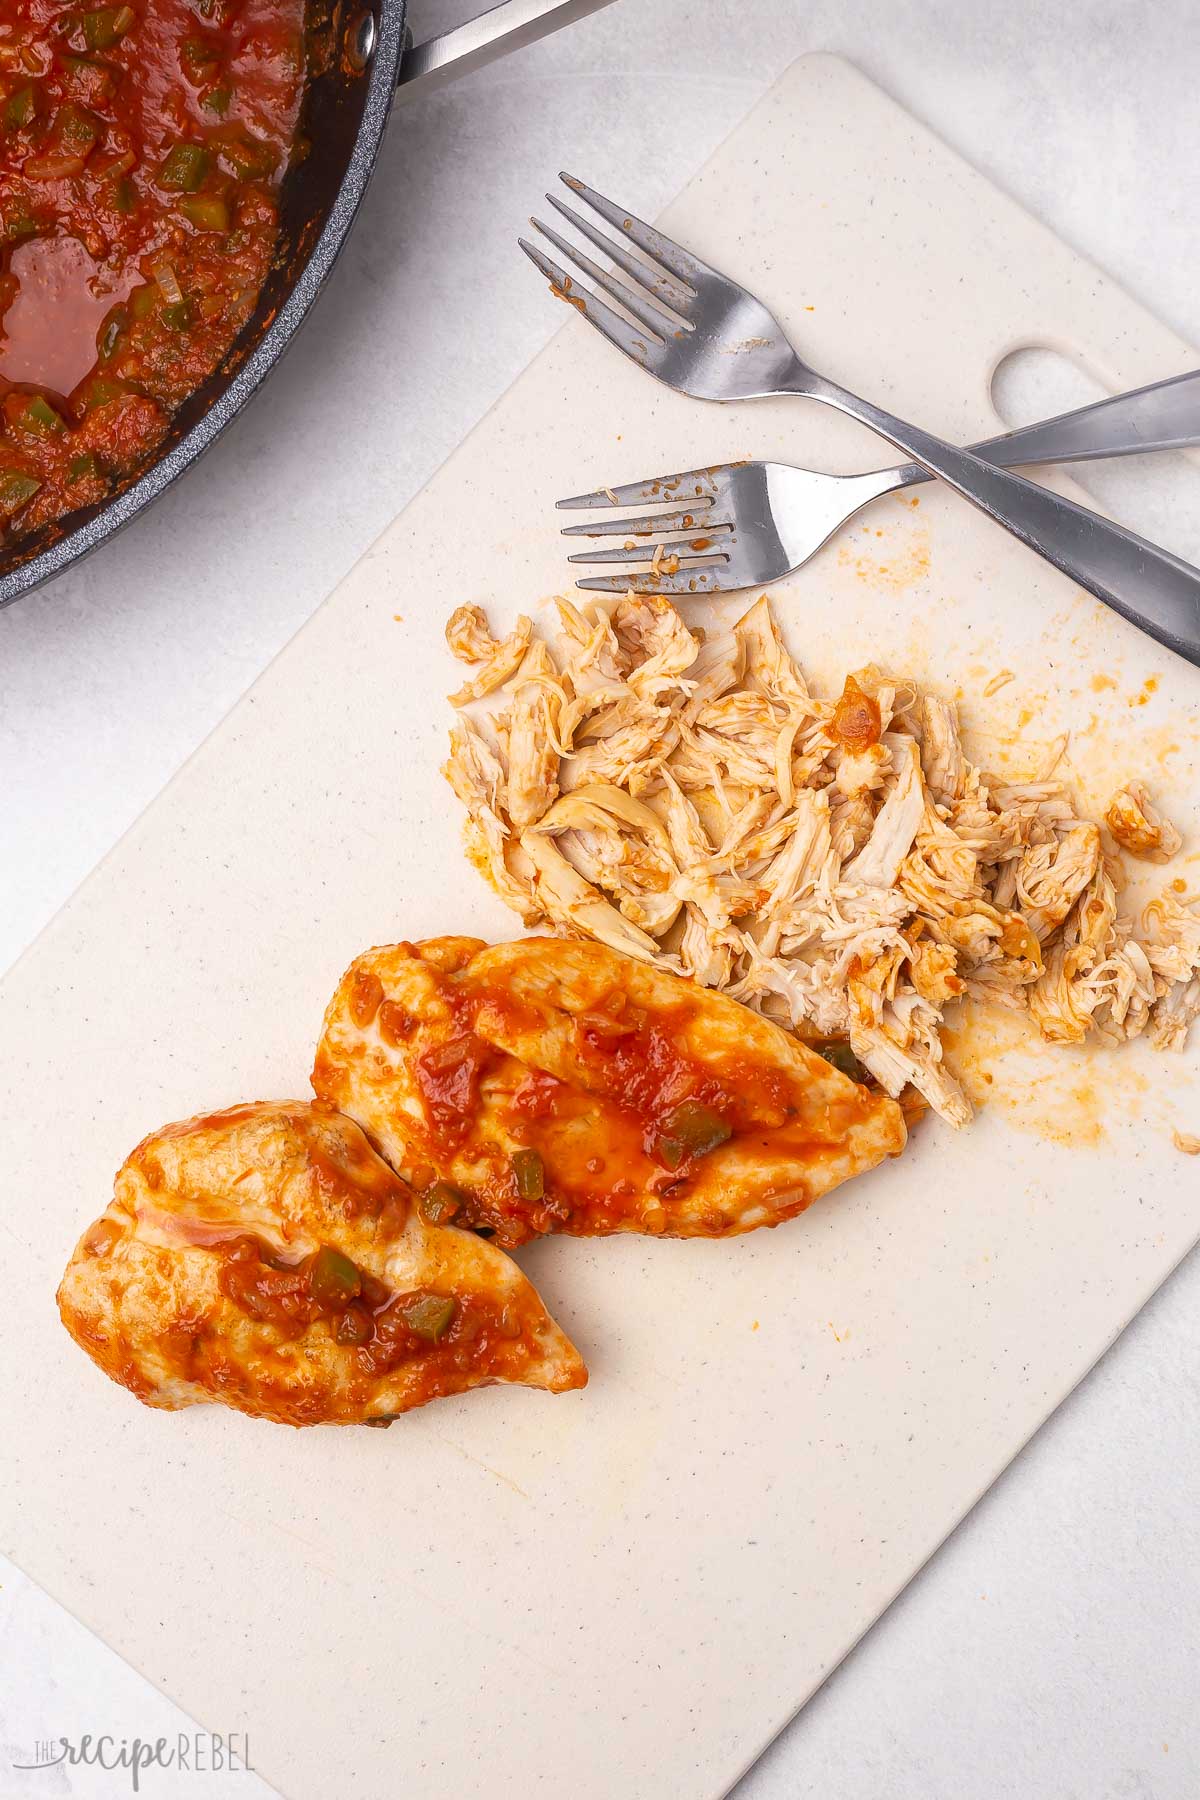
column 482, row 40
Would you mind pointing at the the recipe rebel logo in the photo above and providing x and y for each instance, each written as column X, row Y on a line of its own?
column 193, row 1752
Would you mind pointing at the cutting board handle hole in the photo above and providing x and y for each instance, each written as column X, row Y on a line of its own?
column 1158, row 496
column 1036, row 381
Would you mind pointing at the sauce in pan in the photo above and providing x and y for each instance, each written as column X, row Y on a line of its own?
column 141, row 150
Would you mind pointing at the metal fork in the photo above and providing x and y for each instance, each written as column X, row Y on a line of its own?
column 702, row 334
column 741, row 525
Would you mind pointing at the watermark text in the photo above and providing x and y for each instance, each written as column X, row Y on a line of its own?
column 199, row 1752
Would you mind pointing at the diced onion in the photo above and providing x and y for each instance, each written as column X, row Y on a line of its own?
column 168, row 283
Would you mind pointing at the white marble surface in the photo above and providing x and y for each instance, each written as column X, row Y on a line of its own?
column 1050, row 1651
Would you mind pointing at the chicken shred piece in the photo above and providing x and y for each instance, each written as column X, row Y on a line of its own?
column 1052, row 876
column 468, row 635
column 878, row 862
column 942, row 757
column 1139, row 827
column 532, row 754
column 565, row 898
column 687, row 799
column 657, row 645
column 470, row 640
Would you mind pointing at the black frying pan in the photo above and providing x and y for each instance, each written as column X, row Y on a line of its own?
column 363, row 50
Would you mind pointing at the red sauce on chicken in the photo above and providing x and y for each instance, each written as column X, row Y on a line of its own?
column 445, row 1332
column 663, row 1108
column 141, row 150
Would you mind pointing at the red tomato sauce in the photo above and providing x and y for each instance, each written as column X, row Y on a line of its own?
column 381, row 1329
column 141, row 151
column 628, row 1112
column 640, row 1063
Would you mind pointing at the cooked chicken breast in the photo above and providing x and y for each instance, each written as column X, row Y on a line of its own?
column 267, row 1258
column 560, row 1086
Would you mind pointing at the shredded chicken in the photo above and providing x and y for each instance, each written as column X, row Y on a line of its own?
column 836, row 863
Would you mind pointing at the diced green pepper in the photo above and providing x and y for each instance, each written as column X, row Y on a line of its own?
column 199, row 57
column 429, row 1315
column 93, row 81
column 529, row 1173
column 75, row 127
column 16, row 489
column 40, row 417
column 354, row 1326
column 84, row 468
column 217, row 99
column 124, row 194
column 179, row 315
column 441, row 1203
column 106, row 26
column 691, row 1129
column 375, row 1293
column 101, row 391
column 21, row 107
column 842, row 1057
column 108, row 338
column 333, row 1279
column 70, row 142
column 18, row 228
column 184, row 168
column 207, row 212
column 249, row 158
column 144, row 300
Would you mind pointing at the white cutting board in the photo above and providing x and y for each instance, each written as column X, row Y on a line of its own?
column 625, row 1591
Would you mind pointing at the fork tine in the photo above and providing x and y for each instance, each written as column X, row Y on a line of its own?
column 662, row 250
column 664, row 287
column 714, row 579
column 690, row 486
column 608, row 323
column 656, row 322
column 695, row 519
column 646, row 552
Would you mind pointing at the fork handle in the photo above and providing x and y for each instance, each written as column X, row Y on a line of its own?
column 1163, row 416
column 1148, row 586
